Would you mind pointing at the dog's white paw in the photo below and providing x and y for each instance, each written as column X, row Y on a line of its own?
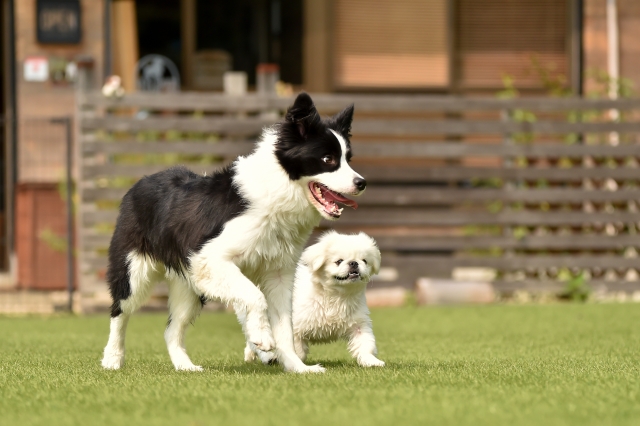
column 303, row 369
column 112, row 361
column 181, row 360
column 263, row 339
column 249, row 355
column 370, row 361
column 188, row 367
column 258, row 332
column 267, row 358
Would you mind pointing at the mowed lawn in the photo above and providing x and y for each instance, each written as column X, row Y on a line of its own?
column 544, row 364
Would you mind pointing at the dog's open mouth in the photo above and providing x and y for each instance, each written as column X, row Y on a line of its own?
column 351, row 276
column 329, row 199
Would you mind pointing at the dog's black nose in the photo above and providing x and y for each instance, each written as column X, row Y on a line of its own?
column 360, row 183
column 353, row 264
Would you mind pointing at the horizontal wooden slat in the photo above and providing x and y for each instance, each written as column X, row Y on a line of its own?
column 433, row 243
column 559, row 287
column 426, row 263
column 96, row 241
column 333, row 102
column 93, row 262
column 413, row 216
column 227, row 125
column 407, row 174
column 456, row 150
column 107, row 194
column 99, row 216
column 187, row 101
column 466, row 127
column 546, row 242
column 399, row 127
column 137, row 170
column 225, row 148
column 376, row 149
column 403, row 195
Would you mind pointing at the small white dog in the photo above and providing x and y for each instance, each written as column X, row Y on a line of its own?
column 329, row 298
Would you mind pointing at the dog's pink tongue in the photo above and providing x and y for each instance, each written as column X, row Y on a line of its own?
column 333, row 196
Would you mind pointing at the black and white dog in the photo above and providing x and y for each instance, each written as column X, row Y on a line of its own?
column 235, row 236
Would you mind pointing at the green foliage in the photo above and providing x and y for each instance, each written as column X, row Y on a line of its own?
column 602, row 81
column 54, row 241
column 553, row 82
column 562, row 364
column 517, row 115
column 576, row 289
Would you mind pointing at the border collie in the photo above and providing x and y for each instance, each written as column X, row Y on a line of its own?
column 234, row 236
column 329, row 298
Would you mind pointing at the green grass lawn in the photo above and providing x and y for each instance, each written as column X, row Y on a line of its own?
column 545, row 364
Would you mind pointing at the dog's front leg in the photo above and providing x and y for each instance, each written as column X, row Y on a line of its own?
column 362, row 345
column 278, row 292
column 223, row 280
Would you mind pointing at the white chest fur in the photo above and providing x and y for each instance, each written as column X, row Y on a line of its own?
column 269, row 236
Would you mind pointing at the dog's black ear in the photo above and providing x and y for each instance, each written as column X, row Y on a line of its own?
column 304, row 115
column 343, row 121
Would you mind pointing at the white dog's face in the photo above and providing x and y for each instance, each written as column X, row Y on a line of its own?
column 343, row 260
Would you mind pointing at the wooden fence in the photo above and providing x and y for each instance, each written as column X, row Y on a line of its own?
column 543, row 191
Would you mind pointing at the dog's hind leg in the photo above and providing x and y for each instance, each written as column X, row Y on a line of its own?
column 130, row 282
column 113, row 357
column 301, row 347
column 184, row 306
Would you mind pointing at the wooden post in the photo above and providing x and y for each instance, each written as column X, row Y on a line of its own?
column 188, row 32
column 316, row 66
column 83, row 86
column 509, row 185
column 124, row 31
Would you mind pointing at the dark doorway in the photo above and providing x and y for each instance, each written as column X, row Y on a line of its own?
column 248, row 31
column 254, row 31
column 159, row 29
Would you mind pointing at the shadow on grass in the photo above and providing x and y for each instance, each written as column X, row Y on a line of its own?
column 257, row 369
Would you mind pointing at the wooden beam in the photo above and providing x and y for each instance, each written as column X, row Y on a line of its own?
column 316, row 65
column 363, row 102
column 188, row 30
column 124, row 33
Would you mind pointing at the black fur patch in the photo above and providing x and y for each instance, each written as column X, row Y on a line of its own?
column 167, row 216
column 304, row 138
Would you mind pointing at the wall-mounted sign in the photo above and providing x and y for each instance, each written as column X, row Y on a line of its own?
column 59, row 21
column 36, row 68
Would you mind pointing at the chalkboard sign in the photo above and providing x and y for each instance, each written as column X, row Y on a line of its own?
column 59, row 21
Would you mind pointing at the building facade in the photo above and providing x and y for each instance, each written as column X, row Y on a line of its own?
column 462, row 47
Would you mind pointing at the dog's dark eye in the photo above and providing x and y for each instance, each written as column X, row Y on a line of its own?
column 365, row 261
column 338, row 262
column 329, row 159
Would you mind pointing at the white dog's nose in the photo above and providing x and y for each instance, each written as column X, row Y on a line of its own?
column 360, row 183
